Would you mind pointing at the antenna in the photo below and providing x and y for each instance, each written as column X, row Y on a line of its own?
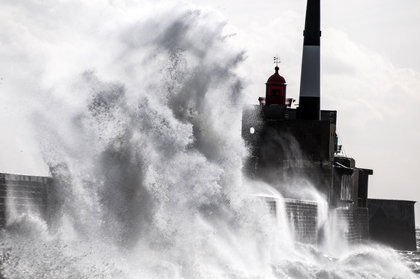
column 277, row 60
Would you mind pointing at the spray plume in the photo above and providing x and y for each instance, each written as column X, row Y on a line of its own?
column 146, row 153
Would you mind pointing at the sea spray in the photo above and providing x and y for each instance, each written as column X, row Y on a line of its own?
column 146, row 157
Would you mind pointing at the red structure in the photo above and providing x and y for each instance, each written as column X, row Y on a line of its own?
column 276, row 89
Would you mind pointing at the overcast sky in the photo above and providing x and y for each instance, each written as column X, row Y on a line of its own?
column 370, row 65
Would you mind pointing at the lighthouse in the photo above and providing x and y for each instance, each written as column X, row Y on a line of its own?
column 275, row 89
column 310, row 85
column 295, row 151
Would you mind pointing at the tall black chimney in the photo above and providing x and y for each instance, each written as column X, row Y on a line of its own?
column 309, row 98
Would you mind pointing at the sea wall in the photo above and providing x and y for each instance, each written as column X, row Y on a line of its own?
column 392, row 223
column 20, row 194
column 302, row 217
column 354, row 223
column 303, row 220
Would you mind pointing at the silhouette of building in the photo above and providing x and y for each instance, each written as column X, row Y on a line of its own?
column 291, row 145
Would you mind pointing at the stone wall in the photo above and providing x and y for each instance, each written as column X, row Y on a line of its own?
column 355, row 223
column 303, row 220
column 20, row 194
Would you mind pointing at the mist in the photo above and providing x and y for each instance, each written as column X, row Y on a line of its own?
column 138, row 120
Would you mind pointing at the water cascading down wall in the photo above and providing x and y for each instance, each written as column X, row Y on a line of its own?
column 295, row 150
column 144, row 148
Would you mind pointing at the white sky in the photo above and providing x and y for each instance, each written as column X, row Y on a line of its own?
column 370, row 71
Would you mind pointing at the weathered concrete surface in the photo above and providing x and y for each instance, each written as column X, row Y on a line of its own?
column 392, row 223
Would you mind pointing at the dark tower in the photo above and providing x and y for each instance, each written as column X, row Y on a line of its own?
column 275, row 93
column 309, row 99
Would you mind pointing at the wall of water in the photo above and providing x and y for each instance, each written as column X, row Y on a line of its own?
column 144, row 144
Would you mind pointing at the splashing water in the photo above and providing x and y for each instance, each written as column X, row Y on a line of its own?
column 147, row 161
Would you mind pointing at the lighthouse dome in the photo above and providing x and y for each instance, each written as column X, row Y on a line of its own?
column 276, row 78
column 275, row 93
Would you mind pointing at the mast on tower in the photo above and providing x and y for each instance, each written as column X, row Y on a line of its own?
column 309, row 97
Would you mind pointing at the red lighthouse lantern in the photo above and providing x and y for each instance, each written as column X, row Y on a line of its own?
column 276, row 89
